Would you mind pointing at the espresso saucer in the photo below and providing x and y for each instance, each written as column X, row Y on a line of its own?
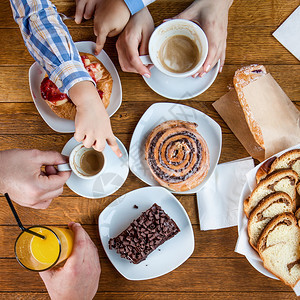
column 110, row 180
column 180, row 88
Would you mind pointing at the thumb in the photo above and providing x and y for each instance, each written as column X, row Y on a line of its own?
column 50, row 158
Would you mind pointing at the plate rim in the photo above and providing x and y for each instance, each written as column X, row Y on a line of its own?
column 217, row 66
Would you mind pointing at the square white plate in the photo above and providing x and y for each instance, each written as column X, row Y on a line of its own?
column 37, row 74
column 117, row 216
column 159, row 113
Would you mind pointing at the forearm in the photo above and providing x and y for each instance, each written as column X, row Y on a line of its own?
column 49, row 42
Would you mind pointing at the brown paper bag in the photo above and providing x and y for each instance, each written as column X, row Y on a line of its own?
column 275, row 113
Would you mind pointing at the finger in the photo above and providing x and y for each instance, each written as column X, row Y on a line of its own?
column 89, row 10
column 79, row 246
column 88, row 142
column 50, row 170
column 79, row 136
column 112, row 142
column 54, row 182
column 80, row 7
column 100, row 41
column 222, row 58
column 200, row 71
column 49, row 158
column 209, row 62
column 99, row 145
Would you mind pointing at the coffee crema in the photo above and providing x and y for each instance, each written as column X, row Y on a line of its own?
column 91, row 162
column 179, row 54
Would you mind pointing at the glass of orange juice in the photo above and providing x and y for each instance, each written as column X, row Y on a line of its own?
column 37, row 254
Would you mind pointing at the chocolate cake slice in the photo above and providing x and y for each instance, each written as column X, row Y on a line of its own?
column 150, row 230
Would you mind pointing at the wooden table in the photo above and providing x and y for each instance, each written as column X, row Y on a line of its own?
column 214, row 270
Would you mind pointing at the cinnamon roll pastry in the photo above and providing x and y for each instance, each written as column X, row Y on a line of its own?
column 177, row 155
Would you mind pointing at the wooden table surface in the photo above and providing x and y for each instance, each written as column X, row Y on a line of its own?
column 214, row 270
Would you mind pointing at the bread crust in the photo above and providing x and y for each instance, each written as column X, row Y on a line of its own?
column 104, row 84
column 169, row 156
column 264, row 169
column 242, row 78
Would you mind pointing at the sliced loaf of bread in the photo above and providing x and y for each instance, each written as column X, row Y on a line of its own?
column 278, row 247
column 268, row 208
column 277, row 181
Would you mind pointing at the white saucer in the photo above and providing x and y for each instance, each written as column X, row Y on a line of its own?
column 109, row 181
column 180, row 88
column 37, row 74
column 117, row 216
column 160, row 112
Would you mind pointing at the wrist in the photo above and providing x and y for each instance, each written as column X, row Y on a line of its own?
column 83, row 92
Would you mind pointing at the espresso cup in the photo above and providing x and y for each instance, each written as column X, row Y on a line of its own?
column 86, row 163
column 177, row 48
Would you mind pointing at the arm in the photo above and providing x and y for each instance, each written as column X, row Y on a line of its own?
column 21, row 176
column 79, row 277
column 110, row 16
column 49, row 42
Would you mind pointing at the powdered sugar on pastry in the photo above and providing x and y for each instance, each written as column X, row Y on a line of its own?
column 242, row 78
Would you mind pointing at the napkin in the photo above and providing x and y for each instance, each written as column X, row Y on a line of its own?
column 288, row 33
column 242, row 246
column 218, row 200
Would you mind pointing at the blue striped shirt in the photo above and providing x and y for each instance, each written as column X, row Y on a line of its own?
column 49, row 42
column 136, row 5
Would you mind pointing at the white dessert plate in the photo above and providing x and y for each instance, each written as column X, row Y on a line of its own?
column 110, row 180
column 251, row 255
column 117, row 216
column 180, row 88
column 37, row 74
column 160, row 112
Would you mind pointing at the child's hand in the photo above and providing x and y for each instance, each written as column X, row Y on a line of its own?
column 92, row 124
column 133, row 42
column 212, row 16
column 110, row 17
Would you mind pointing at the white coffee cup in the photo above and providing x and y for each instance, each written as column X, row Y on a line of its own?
column 75, row 162
column 176, row 27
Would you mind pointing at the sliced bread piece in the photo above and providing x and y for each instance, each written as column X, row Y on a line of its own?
column 288, row 160
column 278, row 181
column 268, row 208
column 279, row 248
column 264, row 169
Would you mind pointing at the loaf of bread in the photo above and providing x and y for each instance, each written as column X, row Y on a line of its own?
column 242, row 78
column 280, row 180
column 268, row 208
column 278, row 247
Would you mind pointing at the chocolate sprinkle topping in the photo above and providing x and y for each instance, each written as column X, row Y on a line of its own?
column 150, row 230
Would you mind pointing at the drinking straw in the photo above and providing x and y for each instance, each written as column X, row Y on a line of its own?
column 18, row 219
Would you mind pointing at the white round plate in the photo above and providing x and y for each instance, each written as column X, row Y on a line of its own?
column 109, row 181
column 37, row 74
column 251, row 255
column 160, row 112
column 117, row 216
column 180, row 88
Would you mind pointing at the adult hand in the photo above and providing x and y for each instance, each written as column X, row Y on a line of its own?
column 79, row 277
column 21, row 176
column 212, row 17
column 133, row 41
column 92, row 123
column 110, row 17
